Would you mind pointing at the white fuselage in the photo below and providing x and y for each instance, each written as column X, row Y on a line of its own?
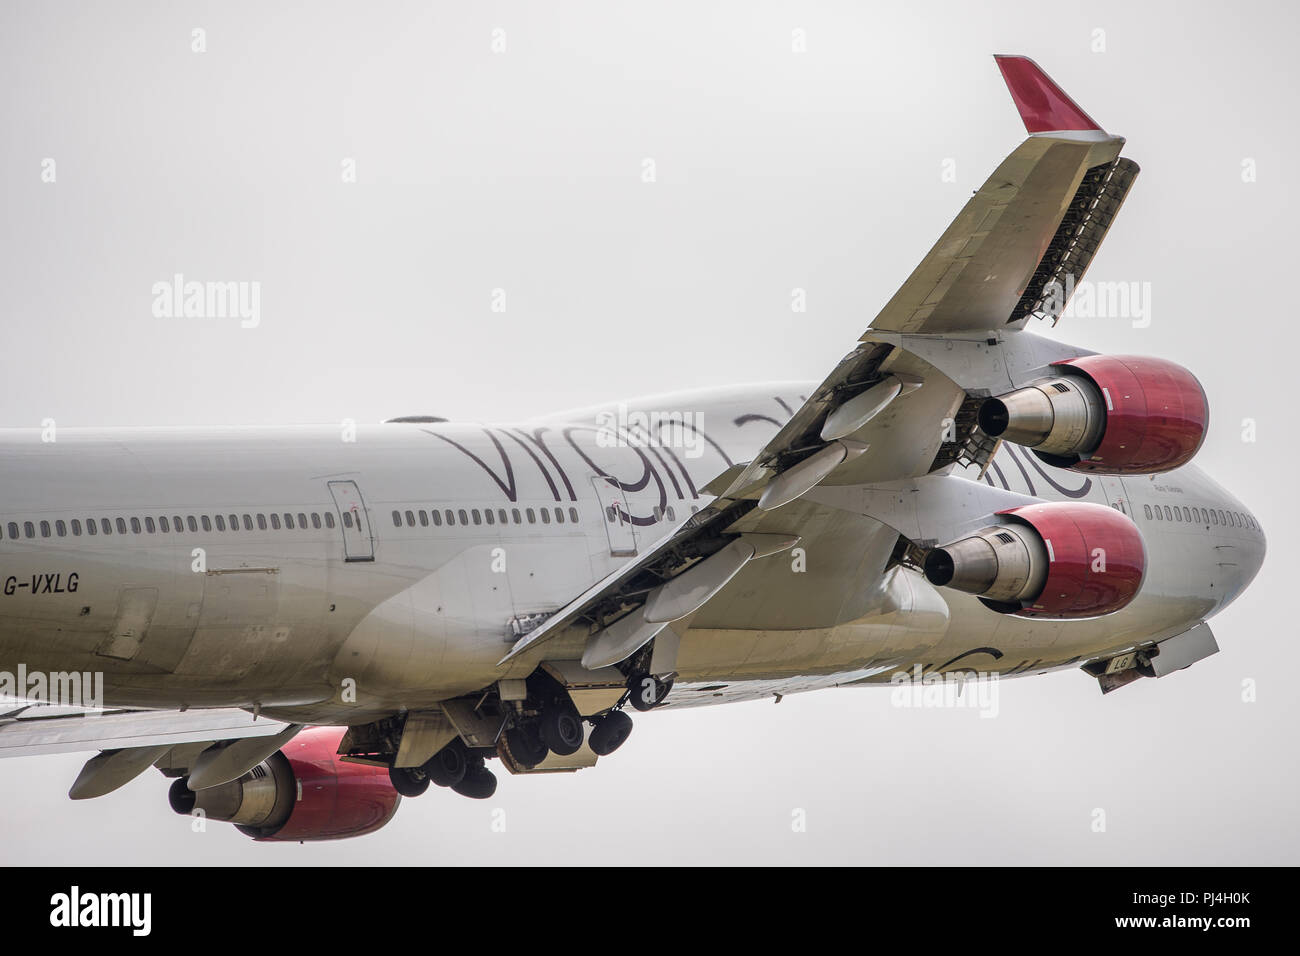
column 273, row 567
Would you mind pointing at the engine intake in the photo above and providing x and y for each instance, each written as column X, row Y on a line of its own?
column 1108, row 414
column 1059, row 560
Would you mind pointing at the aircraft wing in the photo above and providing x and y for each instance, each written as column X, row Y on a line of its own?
column 1040, row 217
column 1036, row 223
column 30, row 729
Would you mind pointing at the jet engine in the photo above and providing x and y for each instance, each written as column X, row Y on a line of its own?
column 302, row 792
column 1118, row 415
column 1057, row 560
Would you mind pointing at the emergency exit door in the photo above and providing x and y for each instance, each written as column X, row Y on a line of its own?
column 616, row 516
column 358, row 542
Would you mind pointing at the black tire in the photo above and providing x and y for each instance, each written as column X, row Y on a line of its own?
column 408, row 781
column 561, row 727
column 646, row 692
column 478, row 784
column 609, row 733
column 447, row 767
column 526, row 746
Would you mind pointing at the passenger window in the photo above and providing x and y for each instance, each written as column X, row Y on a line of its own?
column 451, row 517
column 234, row 522
column 121, row 526
column 673, row 517
column 135, row 525
column 177, row 525
column 410, row 520
column 347, row 519
column 315, row 521
column 164, row 524
column 302, row 520
column 45, row 529
column 559, row 516
column 488, row 516
column 149, row 525
column 261, row 522
column 1159, row 516
column 515, row 513
column 1187, row 515
column 424, row 518
column 573, row 515
column 1168, row 515
column 221, row 523
column 275, row 521
column 76, row 527
column 13, row 528
column 206, row 522
column 288, row 521
column 437, row 518
column 546, row 516
column 464, row 518
column 329, row 520
column 397, row 519
column 478, row 518
column 60, row 529
column 657, row 513
column 30, row 529
column 191, row 523
column 532, row 519
column 90, row 526
column 248, row 522
column 502, row 517
column 1146, row 511
column 611, row 513
column 105, row 526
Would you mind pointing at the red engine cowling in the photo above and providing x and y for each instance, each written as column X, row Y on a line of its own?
column 1112, row 414
column 1058, row 560
column 301, row 792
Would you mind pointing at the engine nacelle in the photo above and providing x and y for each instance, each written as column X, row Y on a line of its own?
column 301, row 792
column 1057, row 560
column 1117, row 415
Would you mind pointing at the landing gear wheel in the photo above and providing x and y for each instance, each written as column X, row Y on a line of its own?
column 647, row 692
column 610, row 732
column 479, row 784
column 526, row 746
column 408, row 781
column 561, row 727
column 447, row 767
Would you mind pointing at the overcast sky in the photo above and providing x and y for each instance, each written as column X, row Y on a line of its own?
column 504, row 146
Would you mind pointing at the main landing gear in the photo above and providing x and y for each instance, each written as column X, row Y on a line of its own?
column 645, row 691
column 454, row 766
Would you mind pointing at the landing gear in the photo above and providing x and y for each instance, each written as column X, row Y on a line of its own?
column 478, row 783
column 645, row 692
column 408, row 781
column 447, row 767
column 560, row 726
column 609, row 733
column 525, row 746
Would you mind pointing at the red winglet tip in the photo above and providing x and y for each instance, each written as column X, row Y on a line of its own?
column 1042, row 104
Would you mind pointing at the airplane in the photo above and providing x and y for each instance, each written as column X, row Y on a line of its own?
column 300, row 626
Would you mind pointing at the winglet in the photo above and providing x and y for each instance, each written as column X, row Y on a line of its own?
column 1042, row 104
